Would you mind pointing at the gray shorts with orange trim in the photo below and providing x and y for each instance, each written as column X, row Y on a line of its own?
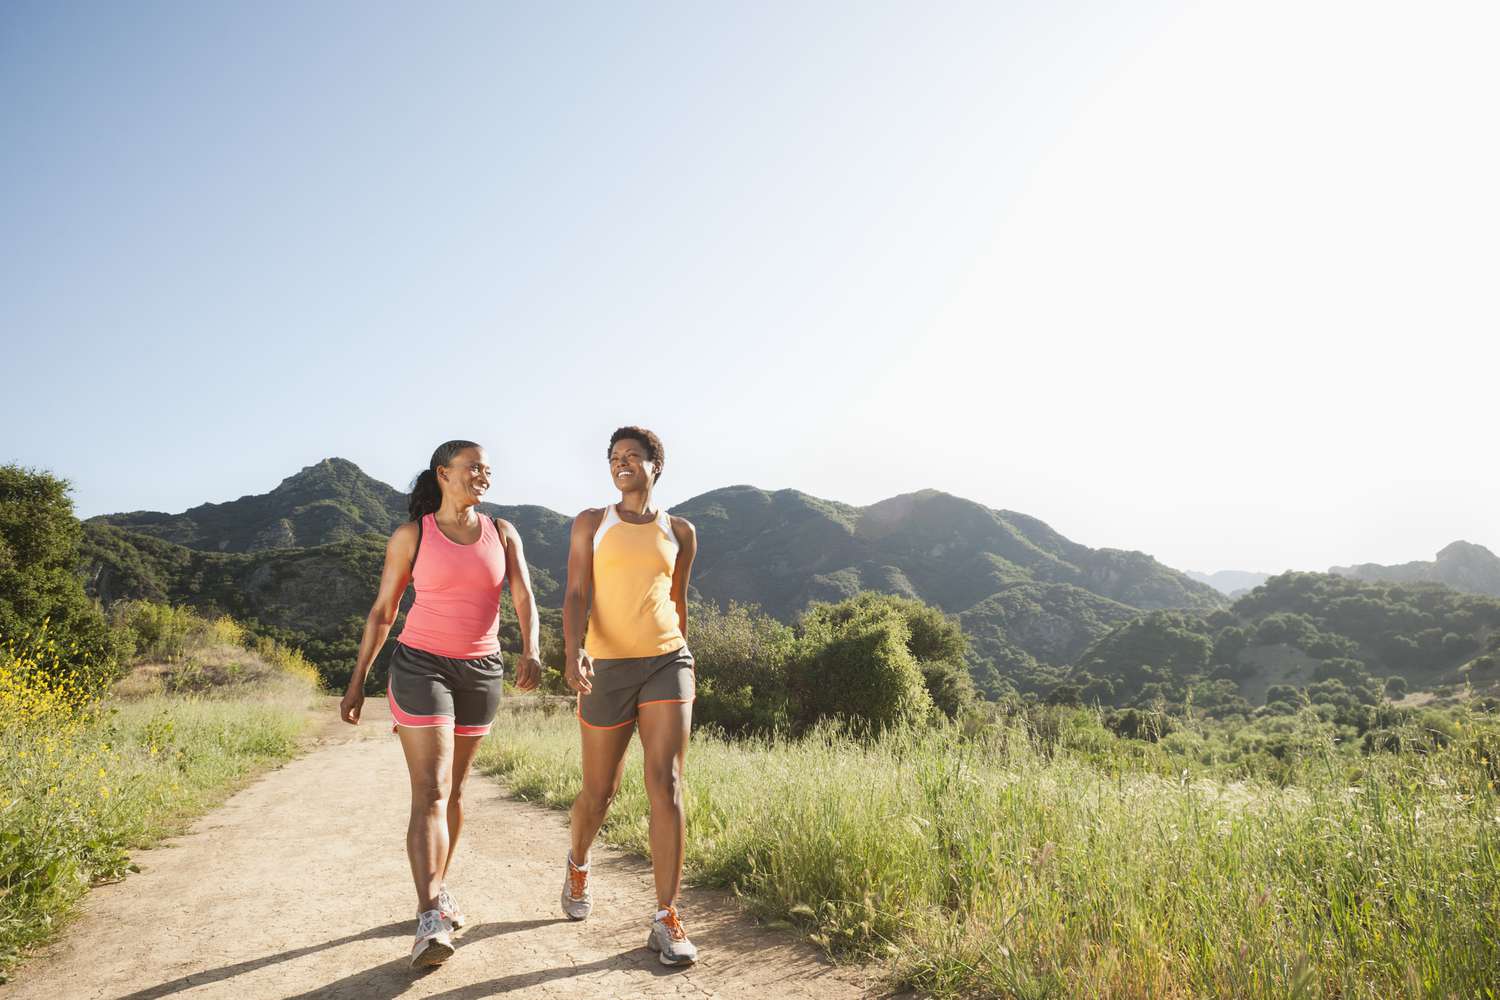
column 622, row 686
column 426, row 690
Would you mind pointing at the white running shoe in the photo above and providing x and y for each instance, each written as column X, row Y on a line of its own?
column 450, row 909
column 577, row 901
column 669, row 938
column 434, row 943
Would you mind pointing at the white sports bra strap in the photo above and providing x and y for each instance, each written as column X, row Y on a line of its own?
column 609, row 519
column 612, row 517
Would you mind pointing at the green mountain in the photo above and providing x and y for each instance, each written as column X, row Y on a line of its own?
column 331, row 502
column 785, row 549
column 1333, row 636
column 1461, row 565
column 1024, row 635
column 301, row 561
column 1028, row 598
column 328, row 502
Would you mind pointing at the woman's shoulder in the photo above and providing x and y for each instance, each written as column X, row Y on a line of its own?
column 588, row 520
column 404, row 538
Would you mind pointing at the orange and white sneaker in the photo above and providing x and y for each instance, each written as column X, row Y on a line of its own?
column 577, row 902
column 669, row 938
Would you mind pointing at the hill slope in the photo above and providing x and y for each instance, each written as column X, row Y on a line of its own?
column 784, row 549
column 1334, row 635
column 1461, row 565
column 302, row 560
column 327, row 502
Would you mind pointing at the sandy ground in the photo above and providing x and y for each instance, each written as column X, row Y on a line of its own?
column 299, row 887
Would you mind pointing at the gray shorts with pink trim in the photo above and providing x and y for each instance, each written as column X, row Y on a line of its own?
column 426, row 690
column 621, row 687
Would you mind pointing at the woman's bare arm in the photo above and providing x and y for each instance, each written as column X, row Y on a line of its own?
column 687, row 549
column 394, row 577
column 528, row 668
column 577, row 669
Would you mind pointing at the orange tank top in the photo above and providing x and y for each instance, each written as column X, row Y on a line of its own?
column 633, row 613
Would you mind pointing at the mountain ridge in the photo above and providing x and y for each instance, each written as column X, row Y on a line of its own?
column 1464, row 566
column 780, row 550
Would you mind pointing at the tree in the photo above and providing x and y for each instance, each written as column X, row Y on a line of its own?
column 39, row 540
column 741, row 658
column 1154, row 655
column 936, row 642
column 855, row 664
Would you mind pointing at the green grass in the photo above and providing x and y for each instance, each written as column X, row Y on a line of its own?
column 78, row 798
column 986, row 867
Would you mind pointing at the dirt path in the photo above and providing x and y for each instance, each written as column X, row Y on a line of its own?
column 299, row 887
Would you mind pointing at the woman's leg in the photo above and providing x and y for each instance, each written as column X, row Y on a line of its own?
column 603, row 763
column 464, row 749
column 664, row 737
column 429, row 762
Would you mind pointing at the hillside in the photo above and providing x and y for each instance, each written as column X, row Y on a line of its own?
column 1461, row 565
column 1337, row 638
column 782, row 550
column 328, row 502
column 301, row 562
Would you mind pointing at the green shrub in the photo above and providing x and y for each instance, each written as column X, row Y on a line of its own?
column 741, row 658
column 935, row 640
column 39, row 588
column 856, row 665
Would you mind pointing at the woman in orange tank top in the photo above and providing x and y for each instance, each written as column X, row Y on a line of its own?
column 445, row 670
column 628, row 569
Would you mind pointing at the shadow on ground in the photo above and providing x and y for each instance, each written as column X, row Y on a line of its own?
column 388, row 980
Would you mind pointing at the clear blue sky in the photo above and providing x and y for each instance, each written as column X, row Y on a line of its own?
column 1215, row 281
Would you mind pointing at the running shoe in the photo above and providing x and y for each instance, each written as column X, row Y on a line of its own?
column 577, row 902
column 669, row 938
column 434, row 943
column 450, row 909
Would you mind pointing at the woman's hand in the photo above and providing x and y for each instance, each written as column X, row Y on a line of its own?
column 528, row 673
column 580, row 673
column 352, row 704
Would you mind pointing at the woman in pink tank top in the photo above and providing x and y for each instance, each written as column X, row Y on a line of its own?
column 445, row 670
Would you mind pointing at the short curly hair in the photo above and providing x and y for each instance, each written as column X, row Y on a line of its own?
column 656, row 452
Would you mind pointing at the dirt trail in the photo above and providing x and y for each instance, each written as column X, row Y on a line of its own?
column 299, row 887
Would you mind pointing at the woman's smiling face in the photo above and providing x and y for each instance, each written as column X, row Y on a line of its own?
column 629, row 466
column 467, row 478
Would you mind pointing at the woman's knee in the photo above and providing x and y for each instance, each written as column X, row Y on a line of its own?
column 430, row 794
column 596, row 799
column 664, row 782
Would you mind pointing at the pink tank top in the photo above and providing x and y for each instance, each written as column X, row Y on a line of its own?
column 457, row 610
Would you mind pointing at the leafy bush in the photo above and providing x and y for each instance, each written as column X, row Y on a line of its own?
column 935, row 640
column 741, row 658
column 855, row 664
column 39, row 540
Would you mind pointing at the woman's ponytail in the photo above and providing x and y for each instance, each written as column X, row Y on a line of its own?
column 426, row 495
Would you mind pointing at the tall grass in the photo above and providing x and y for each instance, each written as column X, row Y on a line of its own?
column 88, row 775
column 988, row 867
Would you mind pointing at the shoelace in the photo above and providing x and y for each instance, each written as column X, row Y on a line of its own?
column 674, row 925
column 578, row 882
